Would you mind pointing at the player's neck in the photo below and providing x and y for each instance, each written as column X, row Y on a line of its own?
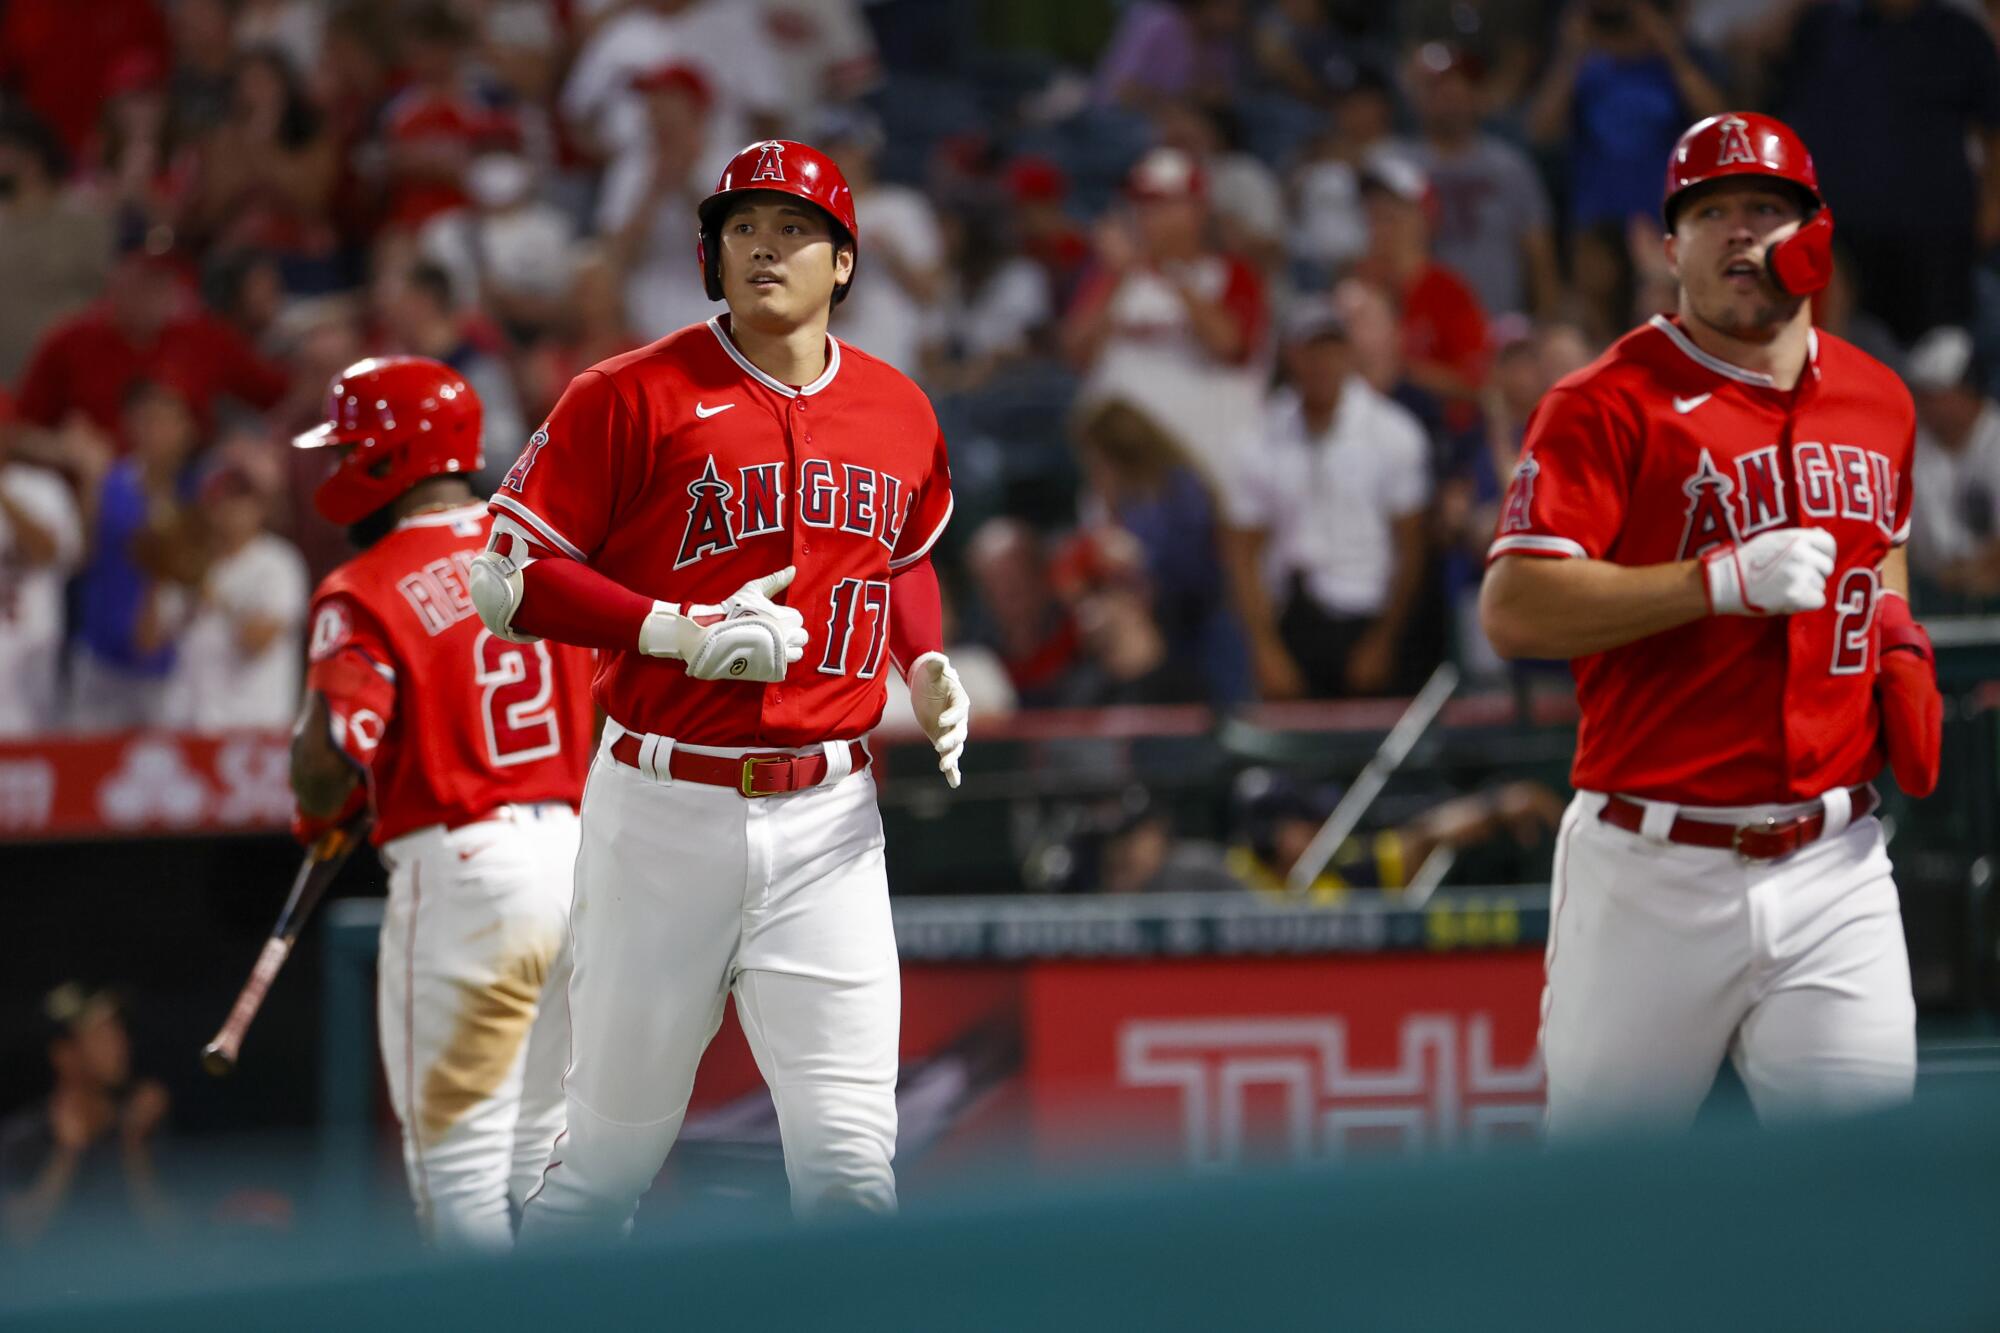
column 1782, row 357
column 794, row 356
column 434, row 493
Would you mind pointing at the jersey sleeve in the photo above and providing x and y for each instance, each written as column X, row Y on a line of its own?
column 1568, row 495
column 930, row 510
column 1906, row 495
column 564, row 487
column 350, row 665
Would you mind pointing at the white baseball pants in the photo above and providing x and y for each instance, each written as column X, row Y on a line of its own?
column 687, row 894
column 472, row 945
column 1663, row 958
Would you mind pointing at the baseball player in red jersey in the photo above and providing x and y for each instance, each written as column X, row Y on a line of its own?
column 473, row 750
column 739, row 517
column 1709, row 520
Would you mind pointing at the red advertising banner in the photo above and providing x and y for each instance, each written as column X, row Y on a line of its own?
column 1208, row 1063
column 145, row 782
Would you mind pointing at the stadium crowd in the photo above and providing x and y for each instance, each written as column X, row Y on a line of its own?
column 1233, row 312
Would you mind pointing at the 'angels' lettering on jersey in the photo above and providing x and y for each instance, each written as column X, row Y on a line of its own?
column 864, row 501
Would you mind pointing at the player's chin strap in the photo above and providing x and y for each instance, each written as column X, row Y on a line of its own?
column 494, row 580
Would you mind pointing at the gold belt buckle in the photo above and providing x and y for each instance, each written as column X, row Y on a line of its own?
column 748, row 781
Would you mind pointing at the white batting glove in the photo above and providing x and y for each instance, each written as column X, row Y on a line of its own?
column 1773, row 574
column 943, row 709
column 747, row 637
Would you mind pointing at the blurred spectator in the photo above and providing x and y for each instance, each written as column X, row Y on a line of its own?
column 1141, row 488
column 592, row 328
column 1837, row 310
column 1295, row 43
column 149, row 326
column 1047, row 233
column 725, row 39
column 246, row 291
column 825, row 52
column 1326, row 507
column 200, row 86
column 295, row 27
column 237, row 660
column 140, row 543
column 1621, row 87
column 1173, row 49
column 438, row 123
column 1249, row 201
column 1442, row 325
column 1955, row 540
column 54, row 248
column 1000, row 309
column 508, row 253
column 56, row 55
column 82, row 1161
column 1166, row 322
column 1890, row 94
column 1506, row 37
column 895, row 314
column 264, row 177
column 1126, row 658
column 414, row 306
column 135, row 169
column 41, row 541
column 1023, row 621
column 1329, row 225
column 647, row 208
column 1275, row 818
column 1492, row 224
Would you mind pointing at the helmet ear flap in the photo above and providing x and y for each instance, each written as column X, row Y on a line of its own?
column 708, row 248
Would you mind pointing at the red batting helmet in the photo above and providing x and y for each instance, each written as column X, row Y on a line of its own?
column 407, row 418
column 1745, row 143
column 789, row 168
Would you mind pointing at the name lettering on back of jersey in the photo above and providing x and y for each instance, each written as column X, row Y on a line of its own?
column 845, row 497
column 709, row 529
column 440, row 593
column 1834, row 481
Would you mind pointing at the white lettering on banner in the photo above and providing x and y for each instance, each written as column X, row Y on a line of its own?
column 1445, row 1088
column 152, row 785
column 27, row 793
column 255, row 772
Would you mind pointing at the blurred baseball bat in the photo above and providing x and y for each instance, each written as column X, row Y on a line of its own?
column 1389, row 756
column 323, row 861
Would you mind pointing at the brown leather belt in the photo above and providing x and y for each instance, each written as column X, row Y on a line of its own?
column 748, row 774
column 1765, row 841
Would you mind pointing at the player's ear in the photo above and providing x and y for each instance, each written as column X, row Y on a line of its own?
column 1671, row 244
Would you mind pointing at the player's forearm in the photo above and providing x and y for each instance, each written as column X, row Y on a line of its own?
column 321, row 779
column 568, row 601
column 916, row 613
column 1542, row 608
column 1896, row 571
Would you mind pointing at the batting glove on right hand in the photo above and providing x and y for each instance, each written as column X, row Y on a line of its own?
column 1773, row 574
column 748, row 637
column 943, row 709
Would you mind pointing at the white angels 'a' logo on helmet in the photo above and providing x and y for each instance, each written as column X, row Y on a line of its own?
column 1736, row 144
column 770, row 163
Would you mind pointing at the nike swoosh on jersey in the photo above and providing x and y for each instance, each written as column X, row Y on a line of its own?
column 1686, row 405
column 706, row 412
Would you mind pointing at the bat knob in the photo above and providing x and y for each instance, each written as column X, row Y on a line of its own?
column 218, row 1062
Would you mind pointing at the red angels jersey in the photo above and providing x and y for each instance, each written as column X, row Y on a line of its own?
column 448, row 722
column 1658, row 452
column 682, row 471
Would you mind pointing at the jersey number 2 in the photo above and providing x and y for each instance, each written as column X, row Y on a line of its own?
column 850, row 598
column 1854, row 622
column 518, row 682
